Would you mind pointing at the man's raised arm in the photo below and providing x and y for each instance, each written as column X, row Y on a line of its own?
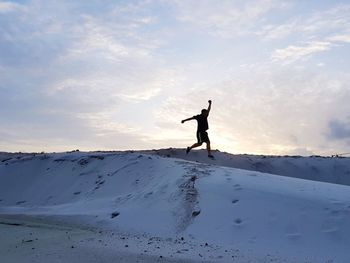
column 209, row 107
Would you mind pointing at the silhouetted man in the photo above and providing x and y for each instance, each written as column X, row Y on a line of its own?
column 202, row 127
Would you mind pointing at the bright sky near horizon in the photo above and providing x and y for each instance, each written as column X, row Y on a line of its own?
column 112, row 75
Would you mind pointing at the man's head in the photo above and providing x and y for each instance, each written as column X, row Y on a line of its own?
column 205, row 112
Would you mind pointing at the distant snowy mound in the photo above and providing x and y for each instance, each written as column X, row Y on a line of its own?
column 316, row 168
column 145, row 193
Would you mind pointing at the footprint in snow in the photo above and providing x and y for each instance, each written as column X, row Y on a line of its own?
column 115, row 214
column 238, row 221
column 293, row 236
column 196, row 213
column 331, row 230
column 238, row 187
column 337, row 202
column 148, row 195
column 334, row 212
column 252, row 240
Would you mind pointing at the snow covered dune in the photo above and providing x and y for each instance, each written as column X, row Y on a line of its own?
column 316, row 168
column 264, row 216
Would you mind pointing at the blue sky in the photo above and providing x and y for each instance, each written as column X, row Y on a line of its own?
column 104, row 75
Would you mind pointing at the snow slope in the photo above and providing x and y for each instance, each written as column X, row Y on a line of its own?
column 316, row 168
column 249, row 215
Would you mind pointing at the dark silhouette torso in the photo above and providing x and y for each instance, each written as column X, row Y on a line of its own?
column 202, row 122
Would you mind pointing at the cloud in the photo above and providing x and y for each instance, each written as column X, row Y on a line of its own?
column 8, row 7
column 68, row 135
column 327, row 21
column 307, row 26
column 273, row 32
column 342, row 38
column 67, row 69
column 232, row 19
column 319, row 32
column 141, row 96
column 110, row 41
column 339, row 130
column 227, row 19
column 293, row 53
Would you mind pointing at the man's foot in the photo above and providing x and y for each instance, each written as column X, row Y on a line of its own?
column 188, row 150
column 210, row 156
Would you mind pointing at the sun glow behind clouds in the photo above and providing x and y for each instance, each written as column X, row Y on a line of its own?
column 122, row 75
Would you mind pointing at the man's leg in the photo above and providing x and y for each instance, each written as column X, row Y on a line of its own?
column 197, row 144
column 193, row 146
column 208, row 148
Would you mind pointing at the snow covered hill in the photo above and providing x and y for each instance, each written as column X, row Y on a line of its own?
column 316, row 168
column 220, row 213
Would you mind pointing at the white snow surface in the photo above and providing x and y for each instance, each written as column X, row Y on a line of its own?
column 173, row 206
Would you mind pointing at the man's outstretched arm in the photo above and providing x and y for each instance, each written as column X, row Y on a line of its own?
column 192, row 118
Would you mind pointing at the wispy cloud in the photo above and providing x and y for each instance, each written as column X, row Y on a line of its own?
column 142, row 95
column 76, row 61
column 272, row 32
column 7, row 7
column 228, row 19
column 308, row 26
column 314, row 34
column 293, row 53
column 341, row 38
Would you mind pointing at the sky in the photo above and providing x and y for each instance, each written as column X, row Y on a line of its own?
column 119, row 75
